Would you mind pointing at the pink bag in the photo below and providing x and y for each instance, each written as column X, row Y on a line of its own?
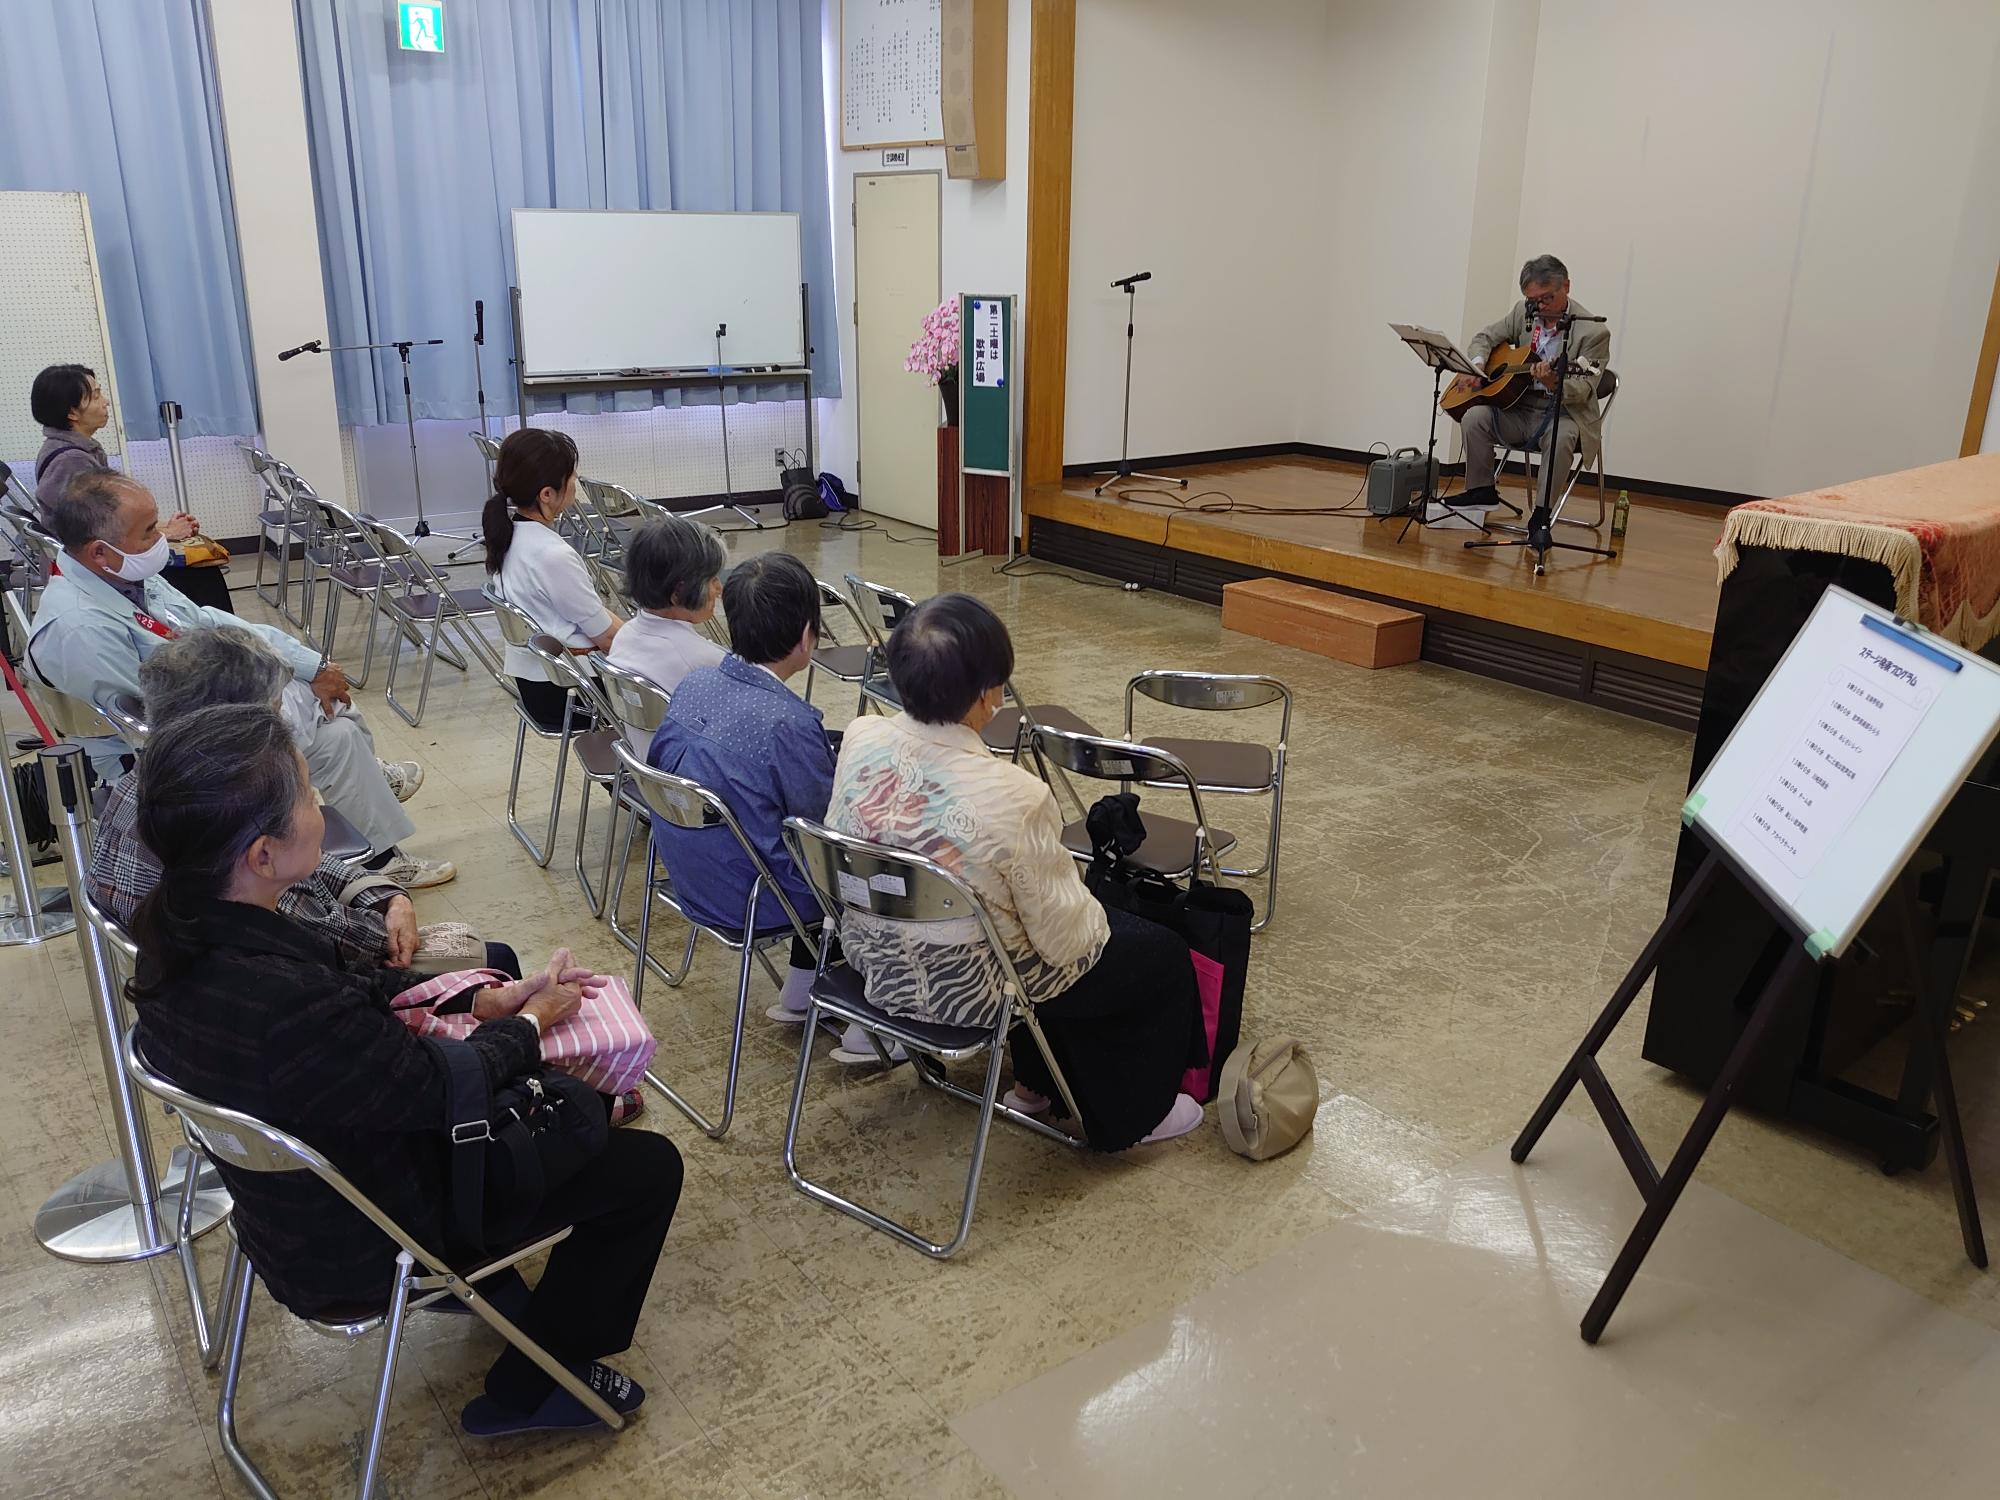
column 1198, row 1082
column 606, row 1043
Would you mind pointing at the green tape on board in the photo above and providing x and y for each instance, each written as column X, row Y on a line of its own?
column 1691, row 809
column 1820, row 944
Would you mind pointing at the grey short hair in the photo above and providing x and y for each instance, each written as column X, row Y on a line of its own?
column 207, row 669
column 86, row 509
column 1543, row 268
column 671, row 562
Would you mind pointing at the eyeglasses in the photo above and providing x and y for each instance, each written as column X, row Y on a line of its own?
column 1537, row 299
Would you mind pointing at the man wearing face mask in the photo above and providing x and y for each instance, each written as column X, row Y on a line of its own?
column 107, row 609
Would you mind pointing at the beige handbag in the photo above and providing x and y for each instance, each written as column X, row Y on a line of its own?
column 443, row 947
column 1268, row 1098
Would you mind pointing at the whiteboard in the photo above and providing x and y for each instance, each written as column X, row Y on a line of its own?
column 605, row 292
column 51, row 313
column 1861, row 735
column 891, row 71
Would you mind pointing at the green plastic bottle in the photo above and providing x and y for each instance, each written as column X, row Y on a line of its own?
column 1621, row 513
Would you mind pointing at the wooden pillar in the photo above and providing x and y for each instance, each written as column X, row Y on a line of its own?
column 1982, row 375
column 1045, row 346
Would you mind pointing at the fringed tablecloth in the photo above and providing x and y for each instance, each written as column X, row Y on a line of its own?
column 1936, row 529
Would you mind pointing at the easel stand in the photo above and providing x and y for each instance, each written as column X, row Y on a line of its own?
column 1440, row 354
column 1125, row 471
column 1538, row 536
column 1662, row 1190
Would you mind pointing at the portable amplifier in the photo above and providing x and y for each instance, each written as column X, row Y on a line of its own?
column 1397, row 484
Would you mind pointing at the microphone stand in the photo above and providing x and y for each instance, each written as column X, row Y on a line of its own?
column 728, row 482
column 1125, row 471
column 479, row 380
column 402, row 348
column 1539, row 534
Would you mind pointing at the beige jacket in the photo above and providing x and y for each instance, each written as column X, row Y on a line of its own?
column 1591, row 341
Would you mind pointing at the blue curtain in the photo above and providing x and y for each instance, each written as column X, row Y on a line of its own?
column 117, row 99
column 420, row 160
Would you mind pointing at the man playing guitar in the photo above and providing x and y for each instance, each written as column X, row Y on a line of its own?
column 1544, row 298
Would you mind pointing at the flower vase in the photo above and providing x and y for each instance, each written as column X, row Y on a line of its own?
column 948, row 392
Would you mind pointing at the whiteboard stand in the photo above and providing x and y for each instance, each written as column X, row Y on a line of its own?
column 1854, row 746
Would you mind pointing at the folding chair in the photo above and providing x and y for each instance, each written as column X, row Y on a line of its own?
column 848, row 664
column 592, row 747
column 853, row 875
column 517, row 628
column 1531, row 461
column 877, row 607
column 639, row 704
column 244, row 1143
column 689, row 804
column 601, row 508
column 1233, row 768
column 128, row 716
column 423, row 598
column 1174, row 847
column 353, row 568
column 609, row 581
column 277, row 523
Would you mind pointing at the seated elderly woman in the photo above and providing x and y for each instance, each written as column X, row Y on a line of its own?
column 673, row 570
column 247, row 1008
column 363, row 912
column 1114, row 993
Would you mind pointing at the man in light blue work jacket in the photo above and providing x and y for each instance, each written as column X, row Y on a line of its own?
column 107, row 609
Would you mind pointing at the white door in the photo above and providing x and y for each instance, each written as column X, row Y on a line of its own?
column 896, row 274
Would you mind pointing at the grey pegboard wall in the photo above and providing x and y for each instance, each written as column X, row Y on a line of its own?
column 51, row 311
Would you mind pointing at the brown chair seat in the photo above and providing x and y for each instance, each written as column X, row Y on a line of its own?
column 594, row 750
column 1169, row 846
column 1004, row 728
column 423, row 606
column 1224, row 765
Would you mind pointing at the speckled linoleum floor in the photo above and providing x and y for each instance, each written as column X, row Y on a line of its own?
column 1468, row 868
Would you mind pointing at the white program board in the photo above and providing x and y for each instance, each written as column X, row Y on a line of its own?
column 1859, row 737
column 603, row 293
column 51, row 313
column 891, row 72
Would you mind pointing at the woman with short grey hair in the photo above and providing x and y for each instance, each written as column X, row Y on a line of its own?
column 673, row 570
column 364, row 914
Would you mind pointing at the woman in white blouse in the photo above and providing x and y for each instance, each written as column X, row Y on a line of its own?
column 673, row 570
column 1114, row 993
column 533, row 568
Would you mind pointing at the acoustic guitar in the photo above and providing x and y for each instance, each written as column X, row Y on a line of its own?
column 1507, row 381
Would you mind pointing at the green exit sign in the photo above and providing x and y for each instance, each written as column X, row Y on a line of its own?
column 420, row 26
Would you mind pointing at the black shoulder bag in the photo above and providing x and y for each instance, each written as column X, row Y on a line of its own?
column 512, row 1146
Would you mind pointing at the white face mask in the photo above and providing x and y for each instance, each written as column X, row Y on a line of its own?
column 137, row 567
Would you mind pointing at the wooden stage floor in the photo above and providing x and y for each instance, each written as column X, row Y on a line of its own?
column 1655, row 604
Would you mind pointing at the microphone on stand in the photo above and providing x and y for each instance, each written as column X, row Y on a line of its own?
column 1127, row 283
column 478, row 321
column 310, row 347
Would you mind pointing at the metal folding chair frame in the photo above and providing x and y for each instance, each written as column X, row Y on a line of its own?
column 689, row 804
column 517, row 628
column 248, row 1144
column 637, row 703
column 399, row 553
column 877, row 607
column 901, row 885
column 1228, row 692
column 1121, row 761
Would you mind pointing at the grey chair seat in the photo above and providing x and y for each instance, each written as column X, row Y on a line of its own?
column 841, row 990
column 880, row 687
column 598, row 752
column 1169, row 846
column 1004, row 728
column 423, row 606
column 1222, row 765
column 844, row 662
column 368, row 575
column 278, row 520
column 343, row 840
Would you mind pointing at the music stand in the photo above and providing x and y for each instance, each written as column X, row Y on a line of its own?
column 1439, row 353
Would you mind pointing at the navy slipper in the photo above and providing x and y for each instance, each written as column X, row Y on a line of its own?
column 559, row 1411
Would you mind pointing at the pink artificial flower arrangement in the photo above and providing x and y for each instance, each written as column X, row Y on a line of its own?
column 935, row 353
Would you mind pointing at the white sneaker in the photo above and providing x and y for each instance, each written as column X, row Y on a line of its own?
column 1027, row 1101
column 404, row 777
column 414, row 874
column 1184, row 1117
column 856, row 1050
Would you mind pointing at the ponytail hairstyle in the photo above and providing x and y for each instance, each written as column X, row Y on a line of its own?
column 210, row 784
column 532, row 459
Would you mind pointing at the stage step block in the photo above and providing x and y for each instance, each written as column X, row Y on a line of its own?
column 1359, row 632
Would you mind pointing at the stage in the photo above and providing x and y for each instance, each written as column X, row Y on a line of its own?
column 1630, row 635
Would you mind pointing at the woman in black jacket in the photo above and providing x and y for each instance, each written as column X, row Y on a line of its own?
column 247, row 1008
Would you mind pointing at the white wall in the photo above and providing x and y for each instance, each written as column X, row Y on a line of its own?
column 1197, row 127
column 1791, row 212
column 264, row 124
column 983, row 226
